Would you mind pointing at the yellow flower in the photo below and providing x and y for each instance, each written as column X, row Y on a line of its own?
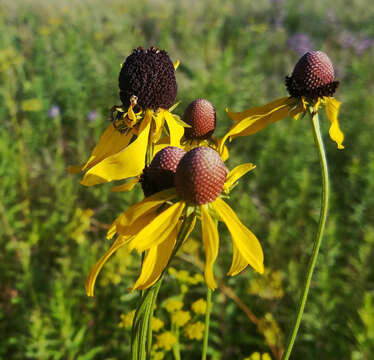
column 257, row 356
column 127, row 320
column 157, row 324
column 194, row 330
column 180, row 318
column 311, row 85
column 147, row 90
column 199, row 306
column 172, row 305
column 268, row 286
column 153, row 224
column 165, row 341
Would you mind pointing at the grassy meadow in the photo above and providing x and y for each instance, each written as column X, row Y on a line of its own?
column 59, row 66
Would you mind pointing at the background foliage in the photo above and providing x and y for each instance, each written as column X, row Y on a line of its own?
column 59, row 63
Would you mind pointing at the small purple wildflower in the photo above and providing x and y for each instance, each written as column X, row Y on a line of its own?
column 92, row 115
column 301, row 43
column 359, row 44
column 54, row 111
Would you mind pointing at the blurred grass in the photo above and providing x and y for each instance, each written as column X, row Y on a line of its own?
column 235, row 54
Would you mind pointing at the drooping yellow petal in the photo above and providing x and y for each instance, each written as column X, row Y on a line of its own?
column 141, row 209
column 246, row 242
column 127, row 163
column 238, row 263
column 159, row 120
column 155, row 262
column 211, row 244
column 128, row 186
column 94, row 272
column 111, row 142
column 159, row 229
column 175, row 129
column 332, row 109
column 253, row 120
column 236, row 173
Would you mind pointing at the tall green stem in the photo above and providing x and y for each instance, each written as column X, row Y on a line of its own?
column 317, row 243
column 207, row 323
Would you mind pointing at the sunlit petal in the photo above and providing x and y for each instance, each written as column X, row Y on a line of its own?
column 332, row 109
column 246, row 242
column 237, row 173
column 94, row 272
column 127, row 163
column 111, row 142
column 128, row 186
column 211, row 244
column 155, row 261
column 238, row 262
column 159, row 120
column 175, row 129
column 159, row 229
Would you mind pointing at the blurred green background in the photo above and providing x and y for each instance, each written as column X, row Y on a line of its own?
column 59, row 65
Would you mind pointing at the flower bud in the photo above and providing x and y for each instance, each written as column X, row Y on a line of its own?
column 160, row 174
column 200, row 176
column 313, row 76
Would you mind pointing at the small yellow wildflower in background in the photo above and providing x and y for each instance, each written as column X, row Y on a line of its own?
column 165, row 341
column 270, row 329
column 83, row 220
column 199, row 306
column 194, row 330
column 180, row 317
column 31, row 105
column 257, row 356
column 268, row 286
column 172, row 305
column 157, row 324
column 157, row 355
column 127, row 320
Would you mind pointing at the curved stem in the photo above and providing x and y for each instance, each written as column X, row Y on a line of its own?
column 207, row 323
column 322, row 221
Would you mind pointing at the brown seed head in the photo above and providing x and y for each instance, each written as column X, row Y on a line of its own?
column 201, row 115
column 160, row 174
column 200, row 176
column 148, row 74
column 313, row 76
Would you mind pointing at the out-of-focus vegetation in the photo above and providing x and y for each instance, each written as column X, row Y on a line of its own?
column 59, row 63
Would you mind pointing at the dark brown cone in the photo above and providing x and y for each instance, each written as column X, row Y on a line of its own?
column 160, row 174
column 201, row 115
column 312, row 77
column 200, row 176
column 148, row 74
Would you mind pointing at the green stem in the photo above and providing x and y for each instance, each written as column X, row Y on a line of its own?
column 322, row 221
column 176, row 348
column 141, row 334
column 207, row 323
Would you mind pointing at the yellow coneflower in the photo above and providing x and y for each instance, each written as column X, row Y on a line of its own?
column 147, row 90
column 310, row 85
column 153, row 224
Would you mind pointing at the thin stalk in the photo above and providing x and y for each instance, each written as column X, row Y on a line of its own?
column 207, row 323
column 176, row 347
column 322, row 221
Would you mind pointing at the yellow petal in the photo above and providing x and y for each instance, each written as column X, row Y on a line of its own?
column 258, row 110
column 144, row 207
column 176, row 64
column 211, row 244
column 94, row 272
column 111, row 142
column 158, row 126
column 238, row 262
column 253, row 120
column 155, row 261
column 237, row 173
column 176, row 130
column 159, row 229
column 127, row 163
column 128, row 186
column 246, row 242
column 332, row 110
